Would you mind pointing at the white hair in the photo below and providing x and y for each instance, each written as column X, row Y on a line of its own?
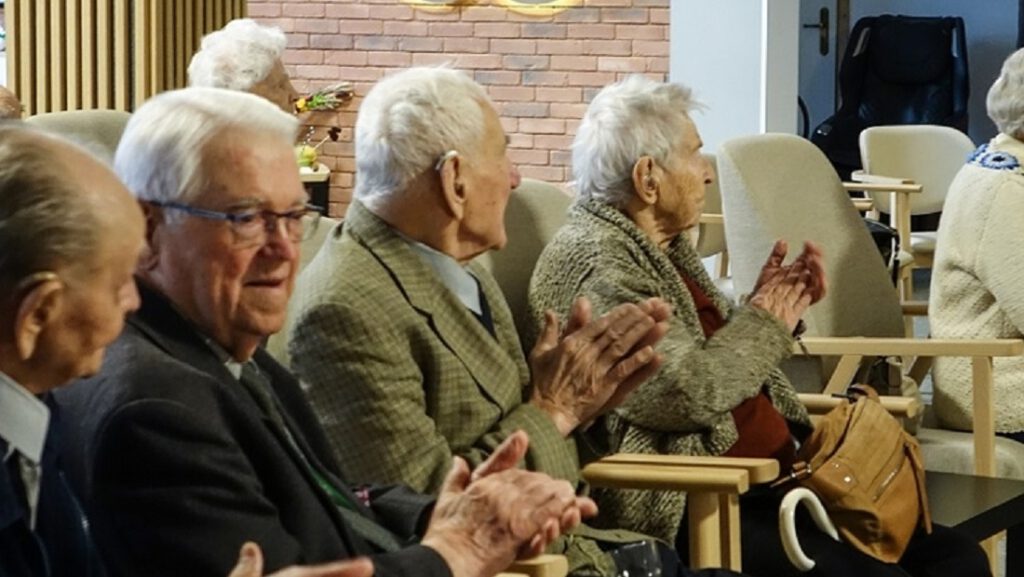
column 161, row 153
column 236, row 57
column 626, row 120
column 407, row 121
column 1005, row 100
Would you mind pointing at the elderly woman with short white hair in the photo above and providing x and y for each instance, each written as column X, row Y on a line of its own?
column 977, row 286
column 245, row 56
column 641, row 177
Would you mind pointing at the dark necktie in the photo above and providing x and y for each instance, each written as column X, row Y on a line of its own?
column 259, row 387
column 484, row 317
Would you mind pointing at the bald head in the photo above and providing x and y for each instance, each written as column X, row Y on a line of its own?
column 10, row 108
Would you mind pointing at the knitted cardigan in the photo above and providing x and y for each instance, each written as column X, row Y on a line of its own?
column 977, row 289
column 686, row 408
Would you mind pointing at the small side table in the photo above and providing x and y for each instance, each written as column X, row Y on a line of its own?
column 317, row 185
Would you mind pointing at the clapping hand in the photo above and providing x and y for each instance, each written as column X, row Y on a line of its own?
column 786, row 291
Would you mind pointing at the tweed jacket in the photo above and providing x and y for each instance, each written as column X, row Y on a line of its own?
column 403, row 376
column 178, row 465
column 60, row 544
column 686, row 408
column 977, row 287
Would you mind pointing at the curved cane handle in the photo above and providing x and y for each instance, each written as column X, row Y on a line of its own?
column 787, row 525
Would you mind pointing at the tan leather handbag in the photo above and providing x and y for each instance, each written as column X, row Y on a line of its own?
column 868, row 473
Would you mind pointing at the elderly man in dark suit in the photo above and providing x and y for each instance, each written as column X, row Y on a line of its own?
column 192, row 440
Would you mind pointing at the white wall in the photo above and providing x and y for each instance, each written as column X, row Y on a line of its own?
column 740, row 57
column 991, row 29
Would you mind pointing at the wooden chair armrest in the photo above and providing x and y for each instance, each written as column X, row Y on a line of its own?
column 880, row 347
column 915, row 308
column 759, row 470
column 688, row 479
column 859, row 176
column 818, row 404
column 863, row 204
column 712, row 218
column 873, row 187
column 539, row 566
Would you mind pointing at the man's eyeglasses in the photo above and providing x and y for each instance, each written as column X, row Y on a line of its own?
column 251, row 226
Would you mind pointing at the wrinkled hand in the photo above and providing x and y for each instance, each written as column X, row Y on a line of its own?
column 250, row 564
column 786, row 291
column 594, row 364
column 486, row 519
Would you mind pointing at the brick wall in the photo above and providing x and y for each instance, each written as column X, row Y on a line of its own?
column 540, row 70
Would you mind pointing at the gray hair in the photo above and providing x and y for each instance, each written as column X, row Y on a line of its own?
column 1005, row 100
column 407, row 121
column 45, row 222
column 626, row 120
column 161, row 153
column 236, row 57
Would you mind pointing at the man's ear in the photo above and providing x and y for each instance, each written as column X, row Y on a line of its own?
column 148, row 259
column 451, row 187
column 645, row 181
column 38, row 309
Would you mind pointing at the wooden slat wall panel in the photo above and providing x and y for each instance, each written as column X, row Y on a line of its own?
column 71, row 54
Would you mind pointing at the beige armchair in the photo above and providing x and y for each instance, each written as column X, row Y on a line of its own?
column 97, row 130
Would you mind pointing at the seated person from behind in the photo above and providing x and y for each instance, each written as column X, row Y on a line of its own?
column 192, row 440
column 70, row 249
column 641, row 179
column 408, row 348
column 976, row 289
column 246, row 56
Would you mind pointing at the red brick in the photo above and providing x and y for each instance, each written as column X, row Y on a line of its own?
column 432, row 59
column 411, row 28
column 390, row 59
column 509, row 125
column 352, row 73
column 348, row 11
column 610, row 3
column 657, row 65
column 659, row 15
column 560, row 158
column 393, row 12
column 318, row 26
column 607, row 47
column 591, row 31
column 376, row 43
column 574, row 63
column 552, row 174
column 552, row 141
column 256, row 10
column 504, row 46
column 624, row 15
column 566, row 47
column 559, row 94
column 286, row 24
column 497, row 77
column 545, row 30
column 518, row 62
column 484, row 14
column 571, row 126
column 524, row 109
column 470, row 45
column 579, row 14
column 296, row 40
column 591, row 78
column 650, row 48
column 421, row 44
column 304, row 56
column 520, row 140
column 621, row 64
column 318, row 72
column 476, row 61
column 641, row 32
column 330, row 41
column 513, row 93
column 542, row 126
column 651, row 3
column 303, row 10
column 450, row 29
column 492, row 30
column 545, row 78
column 527, row 156
column 360, row 26
column 346, row 58
column 568, row 110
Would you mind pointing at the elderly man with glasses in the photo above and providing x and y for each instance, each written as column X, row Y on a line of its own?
column 192, row 440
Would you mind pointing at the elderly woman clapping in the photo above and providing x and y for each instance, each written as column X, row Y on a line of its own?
column 641, row 180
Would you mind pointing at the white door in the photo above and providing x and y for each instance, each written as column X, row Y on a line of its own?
column 817, row 70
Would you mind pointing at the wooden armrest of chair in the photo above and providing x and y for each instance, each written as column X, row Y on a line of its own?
column 859, row 176
column 758, row 470
column 660, row 477
column 879, row 187
column 818, row 404
column 915, row 308
column 540, row 566
column 712, row 218
column 863, row 204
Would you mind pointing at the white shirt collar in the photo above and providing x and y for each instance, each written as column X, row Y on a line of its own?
column 24, row 420
column 452, row 274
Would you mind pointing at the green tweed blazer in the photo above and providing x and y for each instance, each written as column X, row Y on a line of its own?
column 403, row 376
column 686, row 408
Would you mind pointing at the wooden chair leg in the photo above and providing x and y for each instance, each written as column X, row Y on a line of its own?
column 705, row 527
column 729, row 505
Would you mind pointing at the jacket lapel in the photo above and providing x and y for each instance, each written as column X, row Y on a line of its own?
column 482, row 355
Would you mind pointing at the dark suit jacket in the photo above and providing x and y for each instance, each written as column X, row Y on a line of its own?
column 60, row 545
column 177, row 466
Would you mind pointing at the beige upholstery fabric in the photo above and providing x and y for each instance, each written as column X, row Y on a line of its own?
column 536, row 210
column 782, row 186
column 97, row 130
